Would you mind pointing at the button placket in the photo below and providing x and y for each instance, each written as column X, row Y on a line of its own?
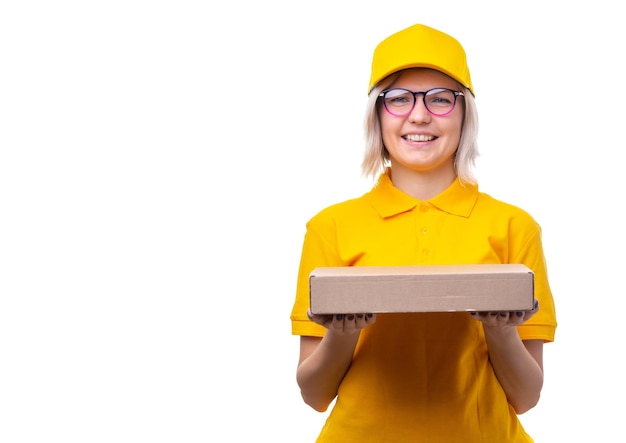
column 424, row 231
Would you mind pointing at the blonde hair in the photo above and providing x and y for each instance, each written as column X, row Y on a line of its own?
column 376, row 157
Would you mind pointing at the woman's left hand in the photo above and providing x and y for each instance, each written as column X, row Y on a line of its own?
column 504, row 318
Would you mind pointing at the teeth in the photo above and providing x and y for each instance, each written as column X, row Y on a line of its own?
column 419, row 138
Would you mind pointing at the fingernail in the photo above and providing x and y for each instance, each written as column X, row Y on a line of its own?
column 370, row 315
column 339, row 316
column 536, row 303
column 519, row 313
column 350, row 317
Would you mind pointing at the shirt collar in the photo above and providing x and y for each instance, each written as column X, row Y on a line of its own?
column 388, row 200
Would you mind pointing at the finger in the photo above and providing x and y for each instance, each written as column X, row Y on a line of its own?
column 349, row 322
column 321, row 319
column 360, row 321
column 479, row 315
column 497, row 318
column 529, row 314
column 516, row 318
column 503, row 318
column 490, row 318
column 337, row 322
column 370, row 318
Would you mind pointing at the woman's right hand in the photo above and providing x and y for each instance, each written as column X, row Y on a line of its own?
column 343, row 323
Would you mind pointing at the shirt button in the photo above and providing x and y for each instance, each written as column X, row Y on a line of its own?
column 424, row 231
column 426, row 252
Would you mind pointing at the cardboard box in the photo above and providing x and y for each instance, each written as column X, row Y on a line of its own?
column 355, row 289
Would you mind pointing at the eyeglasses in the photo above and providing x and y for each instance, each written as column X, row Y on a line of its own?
column 438, row 101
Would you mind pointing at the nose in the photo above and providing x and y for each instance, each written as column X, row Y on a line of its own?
column 419, row 113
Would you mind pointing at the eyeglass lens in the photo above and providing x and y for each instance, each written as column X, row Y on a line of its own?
column 402, row 101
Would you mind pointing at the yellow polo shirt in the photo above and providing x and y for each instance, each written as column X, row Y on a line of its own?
column 423, row 377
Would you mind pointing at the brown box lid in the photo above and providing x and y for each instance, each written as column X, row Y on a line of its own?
column 447, row 288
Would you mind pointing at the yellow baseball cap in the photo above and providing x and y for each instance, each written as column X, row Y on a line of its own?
column 420, row 46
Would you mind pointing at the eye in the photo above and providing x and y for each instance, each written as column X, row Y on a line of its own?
column 398, row 97
column 440, row 98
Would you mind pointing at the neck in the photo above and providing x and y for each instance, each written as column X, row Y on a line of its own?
column 422, row 185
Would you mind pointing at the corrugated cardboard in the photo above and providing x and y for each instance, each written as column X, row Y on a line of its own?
column 356, row 289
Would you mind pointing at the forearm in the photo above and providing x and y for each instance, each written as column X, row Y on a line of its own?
column 320, row 373
column 519, row 371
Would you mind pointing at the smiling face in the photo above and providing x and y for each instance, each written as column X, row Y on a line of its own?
column 421, row 144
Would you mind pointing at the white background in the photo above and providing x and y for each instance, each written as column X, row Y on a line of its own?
column 158, row 163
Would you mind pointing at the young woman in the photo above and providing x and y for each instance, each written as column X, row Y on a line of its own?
column 422, row 377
